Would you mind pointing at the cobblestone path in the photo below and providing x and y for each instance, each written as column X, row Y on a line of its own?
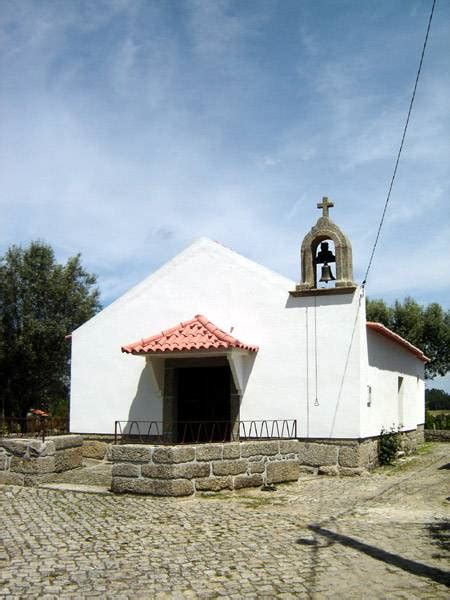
column 379, row 536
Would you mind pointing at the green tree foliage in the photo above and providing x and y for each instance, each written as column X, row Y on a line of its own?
column 427, row 327
column 41, row 302
column 437, row 399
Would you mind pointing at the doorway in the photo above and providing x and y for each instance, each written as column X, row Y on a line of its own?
column 203, row 404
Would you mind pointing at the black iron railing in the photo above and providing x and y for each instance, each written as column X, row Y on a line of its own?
column 12, row 427
column 198, row 432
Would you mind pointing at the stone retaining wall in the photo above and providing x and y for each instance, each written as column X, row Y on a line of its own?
column 29, row 461
column 185, row 470
column 437, row 435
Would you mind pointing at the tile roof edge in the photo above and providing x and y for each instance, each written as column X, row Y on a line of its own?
column 227, row 340
column 394, row 337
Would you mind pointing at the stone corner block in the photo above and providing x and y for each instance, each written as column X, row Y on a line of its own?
column 32, row 466
column 316, row 455
column 131, row 453
column 66, row 441
column 281, row 471
column 95, row 449
column 69, row 458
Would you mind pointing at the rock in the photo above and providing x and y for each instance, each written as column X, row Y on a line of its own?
column 209, row 452
column 278, row 472
column 315, row 455
column 349, row 456
column 230, row 467
column 10, row 478
column 213, row 484
column 125, row 470
column 131, row 453
column 289, row 446
column 259, row 448
column 154, row 487
column 63, row 442
column 69, row 458
column 244, row 481
column 186, row 471
column 356, row 472
column 46, row 464
column 174, row 454
column 231, row 450
column 333, row 470
column 257, row 467
column 94, row 449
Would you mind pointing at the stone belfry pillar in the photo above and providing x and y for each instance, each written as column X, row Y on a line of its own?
column 322, row 231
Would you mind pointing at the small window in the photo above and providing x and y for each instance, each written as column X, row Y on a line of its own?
column 400, row 390
column 369, row 395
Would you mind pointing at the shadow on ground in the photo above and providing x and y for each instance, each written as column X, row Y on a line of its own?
column 411, row 566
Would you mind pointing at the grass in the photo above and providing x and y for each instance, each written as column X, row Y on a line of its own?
column 425, row 448
column 408, row 462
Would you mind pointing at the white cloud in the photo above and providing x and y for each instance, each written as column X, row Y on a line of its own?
column 129, row 129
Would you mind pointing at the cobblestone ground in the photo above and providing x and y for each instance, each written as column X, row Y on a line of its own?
column 379, row 536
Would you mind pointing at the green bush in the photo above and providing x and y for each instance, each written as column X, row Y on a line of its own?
column 437, row 420
column 388, row 445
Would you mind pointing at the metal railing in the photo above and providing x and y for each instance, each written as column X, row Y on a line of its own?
column 12, row 427
column 200, row 432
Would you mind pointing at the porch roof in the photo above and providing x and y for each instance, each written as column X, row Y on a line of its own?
column 197, row 334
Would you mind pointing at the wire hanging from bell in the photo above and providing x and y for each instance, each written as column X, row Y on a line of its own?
column 316, row 401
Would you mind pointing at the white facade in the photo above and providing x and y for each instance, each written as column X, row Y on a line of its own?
column 314, row 364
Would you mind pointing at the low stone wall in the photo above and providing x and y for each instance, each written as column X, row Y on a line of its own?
column 29, row 461
column 437, row 435
column 185, row 470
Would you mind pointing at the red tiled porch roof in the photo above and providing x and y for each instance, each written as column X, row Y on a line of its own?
column 197, row 334
column 394, row 337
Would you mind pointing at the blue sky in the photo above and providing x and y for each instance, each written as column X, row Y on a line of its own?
column 131, row 128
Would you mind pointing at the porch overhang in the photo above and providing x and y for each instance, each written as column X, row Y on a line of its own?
column 198, row 338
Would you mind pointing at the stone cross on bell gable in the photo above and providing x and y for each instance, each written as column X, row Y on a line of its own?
column 325, row 205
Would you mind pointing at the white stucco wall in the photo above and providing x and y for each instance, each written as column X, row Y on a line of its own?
column 387, row 361
column 231, row 291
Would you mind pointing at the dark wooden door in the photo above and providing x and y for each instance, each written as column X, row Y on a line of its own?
column 203, row 397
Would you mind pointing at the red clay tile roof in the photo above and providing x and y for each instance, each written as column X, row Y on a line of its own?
column 196, row 334
column 394, row 337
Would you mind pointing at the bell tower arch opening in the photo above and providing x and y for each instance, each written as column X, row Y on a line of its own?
column 326, row 257
column 325, row 264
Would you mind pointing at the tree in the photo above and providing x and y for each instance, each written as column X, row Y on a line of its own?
column 428, row 328
column 437, row 399
column 41, row 302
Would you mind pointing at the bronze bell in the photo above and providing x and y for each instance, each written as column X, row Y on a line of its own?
column 327, row 275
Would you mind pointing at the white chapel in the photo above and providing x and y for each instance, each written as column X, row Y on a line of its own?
column 212, row 337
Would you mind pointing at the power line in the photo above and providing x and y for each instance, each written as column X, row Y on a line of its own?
column 401, row 146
